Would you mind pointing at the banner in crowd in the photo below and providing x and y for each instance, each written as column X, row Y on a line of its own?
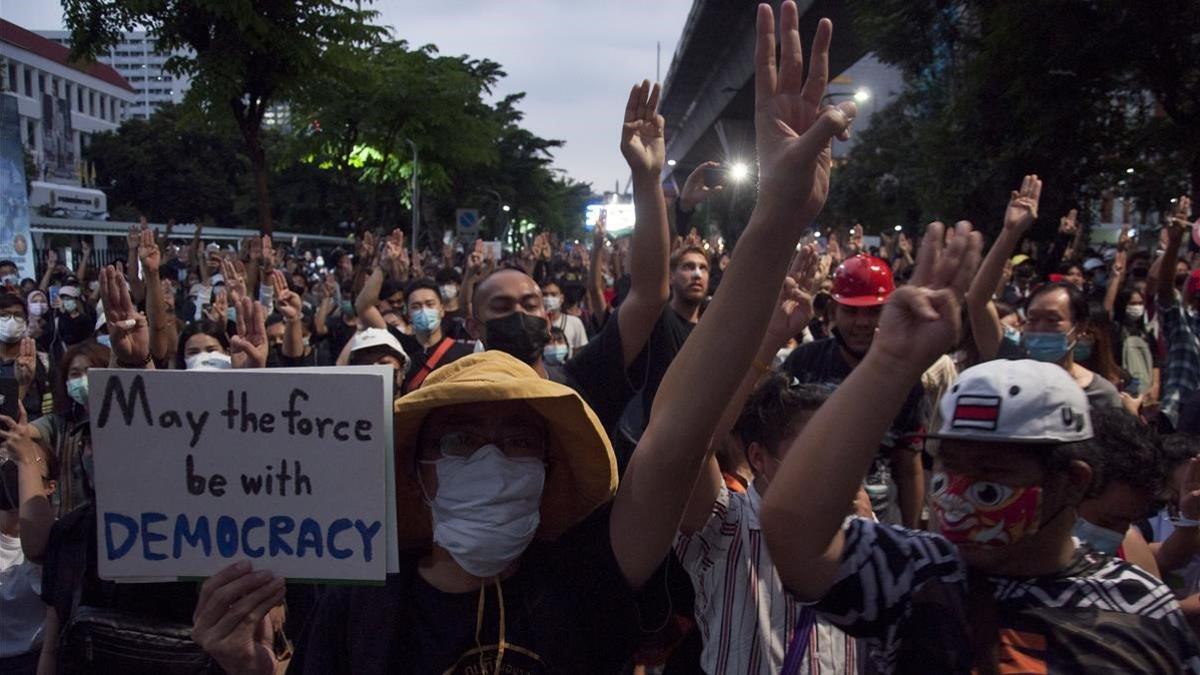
column 286, row 468
column 16, row 244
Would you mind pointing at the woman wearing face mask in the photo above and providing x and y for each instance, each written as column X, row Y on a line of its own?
column 19, row 358
column 570, row 326
column 66, row 433
column 1056, row 320
column 555, row 355
column 1138, row 357
column 71, row 321
column 37, row 308
column 203, row 346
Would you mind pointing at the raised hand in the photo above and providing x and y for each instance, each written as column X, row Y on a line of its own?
column 1022, row 208
column 127, row 328
column 268, row 252
column 395, row 256
column 230, row 622
column 1177, row 222
column 286, row 301
column 600, row 232
column 18, row 435
column 248, row 349
column 921, row 320
column 85, row 248
column 694, row 190
column 904, row 244
column 1123, row 239
column 26, row 365
column 329, row 287
column 1067, row 224
column 51, row 258
column 793, row 130
column 148, row 252
column 218, row 311
column 235, row 279
column 475, row 258
column 796, row 296
column 642, row 142
column 855, row 239
column 834, row 249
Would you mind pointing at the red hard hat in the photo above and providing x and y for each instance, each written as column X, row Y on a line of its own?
column 863, row 281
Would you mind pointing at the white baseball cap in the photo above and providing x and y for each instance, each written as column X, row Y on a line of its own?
column 378, row 337
column 1023, row 401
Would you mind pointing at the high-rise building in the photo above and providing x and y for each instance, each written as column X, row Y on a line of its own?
column 136, row 59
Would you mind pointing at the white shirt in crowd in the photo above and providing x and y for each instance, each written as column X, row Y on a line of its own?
column 573, row 330
column 21, row 608
column 744, row 614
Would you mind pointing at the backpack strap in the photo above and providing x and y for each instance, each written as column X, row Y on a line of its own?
column 443, row 347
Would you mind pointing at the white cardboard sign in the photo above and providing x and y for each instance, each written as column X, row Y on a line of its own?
column 284, row 468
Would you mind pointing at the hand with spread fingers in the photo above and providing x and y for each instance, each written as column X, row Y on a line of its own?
column 231, row 622
column 248, row 349
column 793, row 127
column 148, row 252
column 235, row 279
column 127, row 327
column 218, row 311
column 20, row 437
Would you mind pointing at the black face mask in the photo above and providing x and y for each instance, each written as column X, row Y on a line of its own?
column 518, row 334
column 274, row 356
column 10, row 490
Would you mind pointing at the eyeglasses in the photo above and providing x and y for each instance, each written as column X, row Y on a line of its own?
column 465, row 443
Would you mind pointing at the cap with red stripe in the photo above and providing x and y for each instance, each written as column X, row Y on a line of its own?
column 1015, row 402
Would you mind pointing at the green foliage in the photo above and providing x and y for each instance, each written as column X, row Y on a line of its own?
column 171, row 166
column 1075, row 92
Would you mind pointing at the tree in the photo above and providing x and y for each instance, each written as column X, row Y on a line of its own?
column 172, row 166
column 242, row 56
column 994, row 91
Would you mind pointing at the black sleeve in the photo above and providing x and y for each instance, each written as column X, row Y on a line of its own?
column 541, row 272
column 597, row 373
column 682, row 219
column 1050, row 262
column 322, row 646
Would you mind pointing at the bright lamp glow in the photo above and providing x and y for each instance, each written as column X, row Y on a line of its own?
column 739, row 171
column 898, row 228
column 862, row 96
column 506, row 208
column 1129, row 170
column 671, row 162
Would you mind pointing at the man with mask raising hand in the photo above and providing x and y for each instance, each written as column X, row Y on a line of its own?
column 896, row 481
column 1002, row 586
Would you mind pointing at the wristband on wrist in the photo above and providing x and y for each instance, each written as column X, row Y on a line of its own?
column 124, row 364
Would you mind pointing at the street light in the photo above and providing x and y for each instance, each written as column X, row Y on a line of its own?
column 671, row 162
column 898, row 228
column 1129, row 170
column 862, row 96
column 739, row 171
column 506, row 208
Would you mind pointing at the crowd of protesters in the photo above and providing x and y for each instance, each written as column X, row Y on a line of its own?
column 928, row 455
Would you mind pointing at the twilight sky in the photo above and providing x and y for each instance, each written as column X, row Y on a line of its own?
column 575, row 60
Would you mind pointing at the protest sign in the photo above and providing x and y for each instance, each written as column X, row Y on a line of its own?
column 284, row 468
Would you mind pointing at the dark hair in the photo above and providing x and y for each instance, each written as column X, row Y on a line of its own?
column 8, row 263
column 1065, row 267
column 1076, row 301
column 205, row 327
column 418, row 284
column 1178, row 448
column 1126, row 451
column 1003, row 309
column 8, row 300
column 677, row 256
column 98, row 357
column 389, row 288
column 448, row 275
column 775, row 411
column 272, row 319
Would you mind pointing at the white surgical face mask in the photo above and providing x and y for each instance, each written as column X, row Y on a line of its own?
column 208, row 361
column 486, row 510
column 552, row 302
column 1102, row 539
column 38, row 308
column 12, row 329
column 1135, row 312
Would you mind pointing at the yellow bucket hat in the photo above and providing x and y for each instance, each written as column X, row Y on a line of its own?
column 582, row 470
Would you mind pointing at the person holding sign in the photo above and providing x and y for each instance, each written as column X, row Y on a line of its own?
column 503, row 484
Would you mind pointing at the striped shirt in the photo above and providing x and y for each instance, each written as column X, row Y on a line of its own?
column 744, row 614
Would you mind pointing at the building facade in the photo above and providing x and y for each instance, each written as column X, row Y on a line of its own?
column 60, row 105
column 136, row 59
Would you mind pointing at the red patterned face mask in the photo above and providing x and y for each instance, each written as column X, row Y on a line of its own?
column 981, row 512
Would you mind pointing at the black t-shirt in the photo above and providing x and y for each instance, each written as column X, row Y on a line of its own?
column 71, row 561
column 420, row 355
column 568, row 609
column 454, row 324
column 650, row 366
column 597, row 373
column 821, row 362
